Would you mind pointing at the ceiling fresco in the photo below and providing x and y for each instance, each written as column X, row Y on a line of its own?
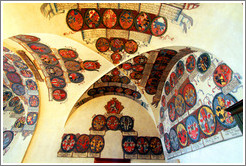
column 192, row 114
column 20, row 103
column 139, row 55
column 118, row 30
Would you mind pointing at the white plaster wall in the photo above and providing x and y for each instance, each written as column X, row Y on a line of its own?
column 227, row 152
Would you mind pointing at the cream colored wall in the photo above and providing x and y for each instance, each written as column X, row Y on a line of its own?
column 218, row 29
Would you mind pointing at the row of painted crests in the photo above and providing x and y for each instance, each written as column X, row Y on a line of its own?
column 114, row 82
column 59, row 67
column 20, row 101
column 141, row 73
column 193, row 104
column 142, row 17
column 83, row 145
column 116, row 18
column 116, row 45
column 123, row 24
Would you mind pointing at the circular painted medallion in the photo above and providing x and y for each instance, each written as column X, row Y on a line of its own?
column 158, row 26
column 180, row 105
column 161, row 112
column 140, row 59
column 109, row 18
column 58, row 82
column 31, row 85
column 26, row 73
column 115, row 79
column 110, row 89
column 31, row 118
column 161, row 128
column 27, row 38
column 203, row 62
column 8, row 67
column 156, row 146
column 83, row 143
column 112, row 123
column 126, row 123
column 74, row 20
column 14, row 101
column 174, row 140
column 97, row 144
column 129, row 144
column 167, row 88
column 190, row 63
column 19, row 109
column 180, row 69
column 49, row 59
column 116, row 57
column 92, row 18
column 173, row 79
column 136, row 94
column 68, row 53
column 220, row 103
column 98, row 122
column 142, row 145
column 182, row 135
column 8, row 136
column 119, row 89
column 189, row 93
column 18, row 89
column 90, row 65
column 13, row 57
column 171, row 112
column 167, row 142
column 102, row 44
column 20, row 65
column 128, row 91
column 138, row 67
column 92, row 92
column 206, row 120
column 222, row 75
column 39, row 48
column 142, row 22
column 20, row 122
column 59, row 94
column 151, row 90
column 126, row 19
column 54, row 71
column 136, row 75
column 101, row 90
column 116, row 45
column 33, row 101
column 76, row 77
column 131, row 46
column 106, row 78
column 192, row 128
column 68, row 143
column 115, row 72
column 127, row 66
column 125, row 80
column 159, row 66
column 72, row 65
column 7, row 95
column 14, row 77
column 163, row 101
